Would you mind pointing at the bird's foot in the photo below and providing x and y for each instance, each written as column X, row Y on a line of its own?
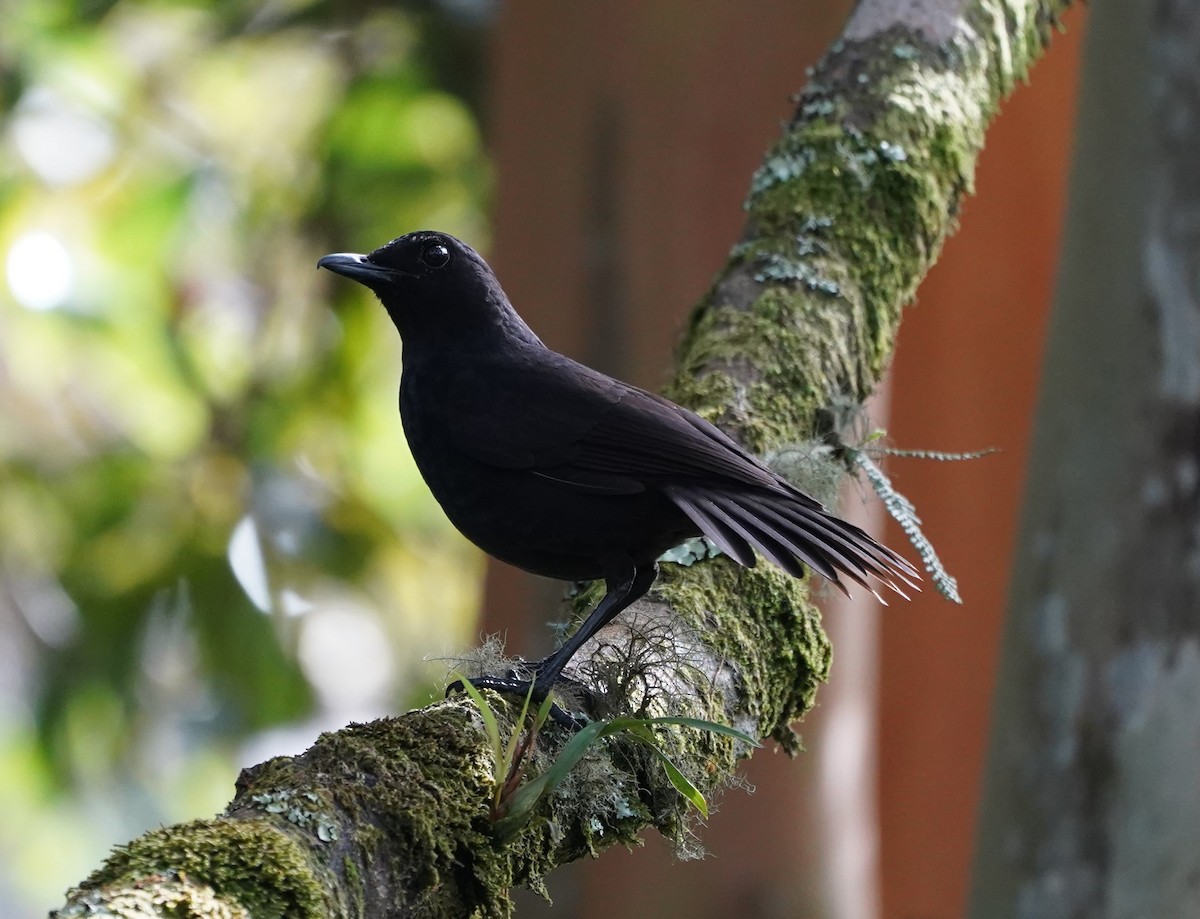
column 511, row 684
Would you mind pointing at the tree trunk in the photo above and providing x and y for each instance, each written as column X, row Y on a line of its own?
column 1093, row 793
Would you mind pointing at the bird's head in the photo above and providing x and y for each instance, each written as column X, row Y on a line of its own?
column 433, row 285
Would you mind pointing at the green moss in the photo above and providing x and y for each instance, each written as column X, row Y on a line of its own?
column 250, row 862
column 1018, row 34
column 848, row 211
column 762, row 620
column 354, row 883
column 414, row 792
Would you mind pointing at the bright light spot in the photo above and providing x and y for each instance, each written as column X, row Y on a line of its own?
column 346, row 655
column 293, row 604
column 62, row 142
column 249, row 567
column 49, row 611
column 40, row 272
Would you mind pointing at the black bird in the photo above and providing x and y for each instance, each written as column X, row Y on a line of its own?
column 558, row 469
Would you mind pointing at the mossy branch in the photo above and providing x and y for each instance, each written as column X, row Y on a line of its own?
column 845, row 217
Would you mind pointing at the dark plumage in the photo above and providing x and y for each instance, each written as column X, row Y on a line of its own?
column 558, row 469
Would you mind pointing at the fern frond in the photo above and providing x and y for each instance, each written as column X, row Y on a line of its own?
column 905, row 514
column 941, row 456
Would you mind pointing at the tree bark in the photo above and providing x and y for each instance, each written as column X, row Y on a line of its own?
column 845, row 216
column 1092, row 805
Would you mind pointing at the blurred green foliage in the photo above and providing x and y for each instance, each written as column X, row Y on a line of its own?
column 209, row 522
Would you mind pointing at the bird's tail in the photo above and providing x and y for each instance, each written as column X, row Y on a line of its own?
column 791, row 530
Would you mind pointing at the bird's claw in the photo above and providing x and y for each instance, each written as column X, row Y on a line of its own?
column 513, row 685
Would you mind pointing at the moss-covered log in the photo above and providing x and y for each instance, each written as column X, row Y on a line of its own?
column 847, row 213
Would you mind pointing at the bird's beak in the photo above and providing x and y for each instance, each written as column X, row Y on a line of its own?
column 356, row 267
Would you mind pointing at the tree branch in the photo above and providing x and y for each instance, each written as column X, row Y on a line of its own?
column 845, row 216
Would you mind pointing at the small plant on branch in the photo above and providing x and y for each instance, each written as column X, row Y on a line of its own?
column 514, row 803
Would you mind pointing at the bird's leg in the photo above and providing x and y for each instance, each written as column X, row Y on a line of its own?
column 622, row 593
column 625, row 584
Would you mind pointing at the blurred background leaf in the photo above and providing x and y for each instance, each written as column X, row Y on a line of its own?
column 213, row 542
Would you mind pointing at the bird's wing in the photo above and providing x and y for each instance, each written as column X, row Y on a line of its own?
column 568, row 423
column 564, row 421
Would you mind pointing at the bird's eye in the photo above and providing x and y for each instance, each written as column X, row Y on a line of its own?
column 435, row 255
